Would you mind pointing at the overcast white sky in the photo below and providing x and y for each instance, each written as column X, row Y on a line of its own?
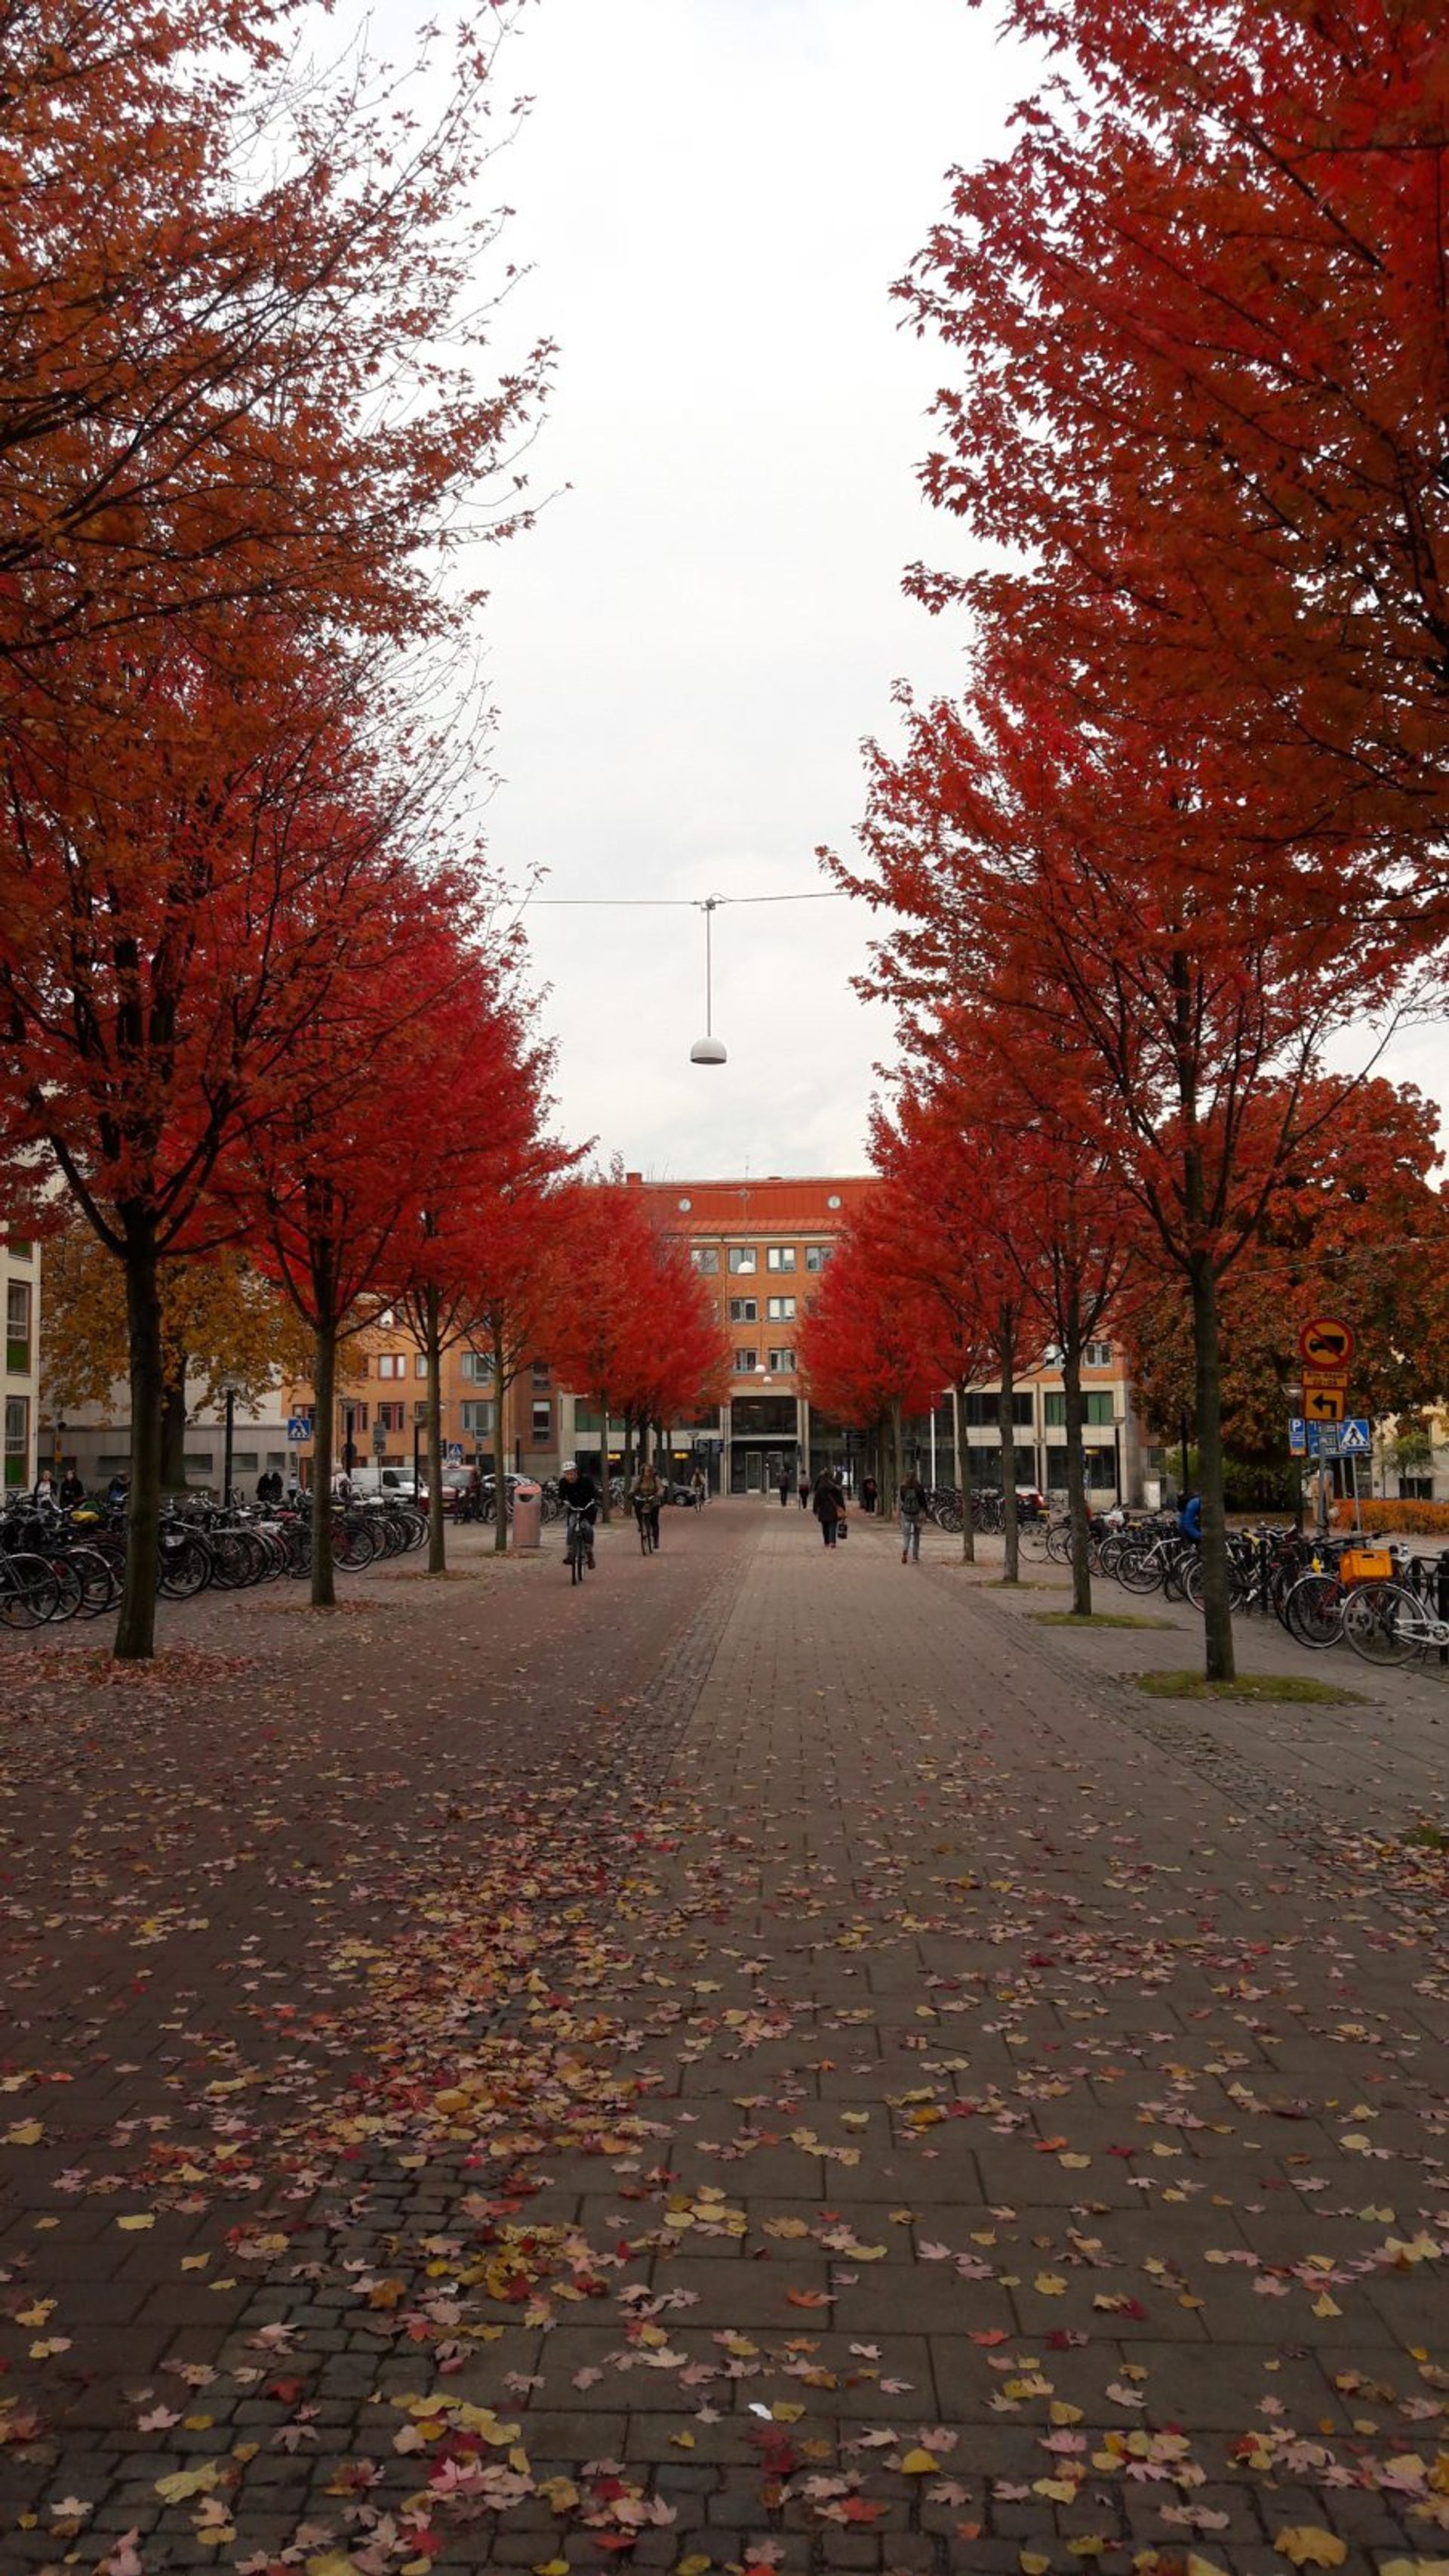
column 715, row 196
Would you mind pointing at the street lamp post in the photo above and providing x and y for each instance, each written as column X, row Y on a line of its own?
column 229, row 1391
column 349, row 1453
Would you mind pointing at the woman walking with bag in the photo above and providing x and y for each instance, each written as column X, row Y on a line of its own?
column 829, row 1506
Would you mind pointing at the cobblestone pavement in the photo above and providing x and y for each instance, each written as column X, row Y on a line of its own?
column 775, row 2059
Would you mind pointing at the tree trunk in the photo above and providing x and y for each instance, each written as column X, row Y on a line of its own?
column 136, row 1625
column 896, row 1475
column 500, row 1473
column 627, row 1461
column 1006, row 1426
column 606, row 1505
column 1217, row 1614
column 173, row 1435
column 324, row 1389
column 1074, row 1409
column 968, row 1530
column 433, row 1353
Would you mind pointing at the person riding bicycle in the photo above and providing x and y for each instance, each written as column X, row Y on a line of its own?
column 646, row 1494
column 698, row 1488
column 579, row 1493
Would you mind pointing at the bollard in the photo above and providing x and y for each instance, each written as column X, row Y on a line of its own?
column 527, row 1519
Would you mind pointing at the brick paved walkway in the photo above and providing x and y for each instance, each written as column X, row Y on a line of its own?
column 772, row 2060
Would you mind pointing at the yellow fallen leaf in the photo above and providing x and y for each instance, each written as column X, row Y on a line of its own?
column 1414, row 2567
column 1061, row 2413
column 1324, row 2306
column 139, row 2218
column 551, row 2567
column 1304, row 2545
column 695, row 2566
column 919, row 2463
column 682, row 2441
column 785, row 2411
column 188, row 2482
column 26, row 2133
column 1050, row 2284
column 1032, row 2564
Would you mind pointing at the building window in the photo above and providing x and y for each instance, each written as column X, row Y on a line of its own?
column 198, row 1462
column 393, row 1417
column 782, row 1310
column 478, row 1417
column 420, row 1364
column 744, row 1310
column 1416, row 1489
column 705, row 1257
column 17, row 1440
column 542, row 1374
column 817, row 1254
column 477, row 1369
column 780, row 1256
column 17, row 1327
column 1098, row 1354
column 18, row 1247
column 782, row 1363
column 392, row 1364
column 743, row 1256
column 980, row 1412
column 245, row 1462
column 359, row 1418
column 745, row 1361
column 1096, row 1408
column 542, row 1422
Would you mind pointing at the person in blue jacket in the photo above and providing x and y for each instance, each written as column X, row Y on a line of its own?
column 1189, row 1519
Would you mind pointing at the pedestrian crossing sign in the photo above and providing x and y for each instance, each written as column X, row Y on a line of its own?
column 1355, row 1439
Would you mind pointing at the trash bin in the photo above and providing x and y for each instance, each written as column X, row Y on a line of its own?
column 527, row 1518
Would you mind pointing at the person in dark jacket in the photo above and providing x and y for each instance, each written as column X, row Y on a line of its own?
column 786, row 1480
column 72, row 1491
column 911, row 1503
column 829, row 1505
column 869, row 1493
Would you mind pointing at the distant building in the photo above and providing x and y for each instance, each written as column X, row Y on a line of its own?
column 20, row 1277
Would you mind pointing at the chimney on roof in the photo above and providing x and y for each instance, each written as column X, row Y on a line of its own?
column 635, row 1180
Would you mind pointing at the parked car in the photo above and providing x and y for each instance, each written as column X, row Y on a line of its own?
column 396, row 1481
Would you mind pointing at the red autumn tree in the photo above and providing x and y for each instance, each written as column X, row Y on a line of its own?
column 1010, row 1206
column 333, row 1185
column 1200, row 308
column 866, row 1343
column 488, row 1266
column 1059, row 867
column 634, row 1328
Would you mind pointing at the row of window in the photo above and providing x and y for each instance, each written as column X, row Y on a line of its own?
column 746, row 1310
column 781, row 1363
column 475, row 1367
column 17, row 1439
column 744, row 1258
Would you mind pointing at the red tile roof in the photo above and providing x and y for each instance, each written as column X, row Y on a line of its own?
column 768, row 1207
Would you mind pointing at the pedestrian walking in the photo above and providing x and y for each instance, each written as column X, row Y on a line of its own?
column 804, row 1489
column 869, row 1493
column 911, row 1504
column 698, row 1489
column 786, row 1481
column 829, row 1506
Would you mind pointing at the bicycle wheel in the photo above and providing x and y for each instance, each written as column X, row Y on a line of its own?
column 1313, row 1611
column 99, row 1583
column 1384, row 1623
column 183, row 1564
column 1140, row 1571
column 28, row 1591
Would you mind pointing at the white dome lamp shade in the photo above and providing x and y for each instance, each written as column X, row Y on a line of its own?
column 709, row 1049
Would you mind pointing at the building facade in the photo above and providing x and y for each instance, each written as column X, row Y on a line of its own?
column 20, row 1278
column 763, row 1248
